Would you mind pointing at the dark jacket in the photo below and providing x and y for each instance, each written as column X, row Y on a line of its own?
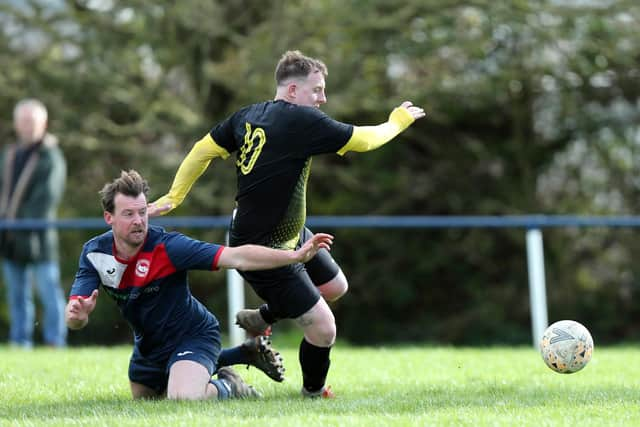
column 41, row 198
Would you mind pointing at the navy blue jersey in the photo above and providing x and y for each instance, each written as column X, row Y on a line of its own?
column 151, row 289
column 274, row 142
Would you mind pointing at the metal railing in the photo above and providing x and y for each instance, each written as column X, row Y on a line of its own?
column 361, row 221
column 532, row 224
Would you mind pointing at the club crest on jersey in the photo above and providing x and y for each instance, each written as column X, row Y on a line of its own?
column 142, row 267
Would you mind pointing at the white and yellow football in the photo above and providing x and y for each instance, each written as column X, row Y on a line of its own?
column 566, row 346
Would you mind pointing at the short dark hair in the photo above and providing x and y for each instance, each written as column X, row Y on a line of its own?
column 130, row 183
column 294, row 64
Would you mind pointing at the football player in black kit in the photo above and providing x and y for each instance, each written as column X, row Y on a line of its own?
column 274, row 142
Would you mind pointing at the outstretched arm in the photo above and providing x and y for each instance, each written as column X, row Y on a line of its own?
column 78, row 310
column 193, row 165
column 367, row 138
column 254, row 257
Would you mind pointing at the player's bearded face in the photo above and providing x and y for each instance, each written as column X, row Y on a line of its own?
column 129, row 220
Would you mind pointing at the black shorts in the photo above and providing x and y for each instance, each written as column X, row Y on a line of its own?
column 153, row 370
column 291, row 291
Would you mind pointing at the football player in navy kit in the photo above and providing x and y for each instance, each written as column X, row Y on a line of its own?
column 274, row 142
column 144, row 269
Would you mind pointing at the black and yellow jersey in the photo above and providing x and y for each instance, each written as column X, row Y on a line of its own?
column 274, row 142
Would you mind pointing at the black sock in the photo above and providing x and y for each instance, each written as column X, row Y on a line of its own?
column 267, row 315
column 315, row 364
column 233, row 356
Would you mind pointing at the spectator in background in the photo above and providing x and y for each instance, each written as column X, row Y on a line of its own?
column 32, row 183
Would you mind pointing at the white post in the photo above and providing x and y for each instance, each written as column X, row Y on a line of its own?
column 537, row 287
column 235, row 302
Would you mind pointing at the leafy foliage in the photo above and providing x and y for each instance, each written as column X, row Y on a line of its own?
column 533, row 108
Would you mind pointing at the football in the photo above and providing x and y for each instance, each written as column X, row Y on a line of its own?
column 566, row 346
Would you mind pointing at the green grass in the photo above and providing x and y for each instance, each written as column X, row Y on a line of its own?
column 406, row 386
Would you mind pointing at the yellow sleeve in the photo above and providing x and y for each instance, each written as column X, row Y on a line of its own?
column 367, row 138
column 193, row 165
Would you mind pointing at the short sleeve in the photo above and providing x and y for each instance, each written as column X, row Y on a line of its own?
column 323, row 134
column 186, row 253
column 223, row 134
column 87, row 278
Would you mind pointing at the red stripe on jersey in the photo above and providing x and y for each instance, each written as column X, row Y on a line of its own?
column 147, row 267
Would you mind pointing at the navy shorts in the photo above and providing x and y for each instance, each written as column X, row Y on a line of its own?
column 291, row 291
column 152, row 370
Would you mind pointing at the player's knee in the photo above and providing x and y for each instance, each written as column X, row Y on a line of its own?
column 339, row 289
column 323, row 334
column 329, row 335
column 183, row 393
column 335, row 288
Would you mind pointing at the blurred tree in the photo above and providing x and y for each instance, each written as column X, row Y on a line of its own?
column 533, row 108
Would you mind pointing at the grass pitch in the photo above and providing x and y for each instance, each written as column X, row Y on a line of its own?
column 389, row 386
